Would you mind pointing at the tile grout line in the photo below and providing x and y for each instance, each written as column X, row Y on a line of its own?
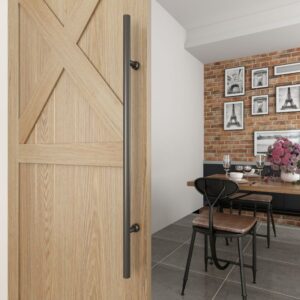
column 276, row 240
column 166, row 239
column 275, row 260
column 229, row 273
column 165, row 257
column 222, row 283
column 191, row 271
column 265, row 290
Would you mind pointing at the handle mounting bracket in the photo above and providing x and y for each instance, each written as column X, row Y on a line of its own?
column 135, row 65
column 135, row 228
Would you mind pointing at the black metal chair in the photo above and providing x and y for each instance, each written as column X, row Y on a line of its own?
column 215, row 224
column 252, row 200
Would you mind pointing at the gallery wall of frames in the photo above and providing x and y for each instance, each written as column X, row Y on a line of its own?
column 249, row 102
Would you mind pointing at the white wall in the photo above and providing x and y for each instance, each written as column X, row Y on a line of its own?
column 3, row 149
column 177, row 121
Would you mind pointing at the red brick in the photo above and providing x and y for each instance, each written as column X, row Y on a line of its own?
column 240, row 143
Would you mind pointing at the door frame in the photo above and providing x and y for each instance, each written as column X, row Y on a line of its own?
column 13, row 150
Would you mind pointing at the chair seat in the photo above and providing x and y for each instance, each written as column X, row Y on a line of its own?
column 257, row 198
column 225, row 222
column 237, row 195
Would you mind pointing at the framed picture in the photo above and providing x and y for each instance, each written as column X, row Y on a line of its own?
column 234, row 115
column 235, row 82
column 287, row 69
column 260, row 78
column 260, row 105
column 264, row 139
column 288, row 98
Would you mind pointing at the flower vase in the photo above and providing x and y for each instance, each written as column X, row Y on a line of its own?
column 289, row 177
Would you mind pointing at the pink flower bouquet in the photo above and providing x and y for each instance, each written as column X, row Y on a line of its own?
column 284, row 155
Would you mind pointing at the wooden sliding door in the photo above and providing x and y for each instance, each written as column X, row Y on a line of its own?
column 66, row 151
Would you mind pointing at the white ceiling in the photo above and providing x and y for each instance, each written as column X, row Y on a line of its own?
column 195, row 13
column 230, row 22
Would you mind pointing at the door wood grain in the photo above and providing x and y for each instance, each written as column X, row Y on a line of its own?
column 65, row 150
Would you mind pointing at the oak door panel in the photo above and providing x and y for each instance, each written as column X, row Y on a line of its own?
column 69, row 247
column 65, row 193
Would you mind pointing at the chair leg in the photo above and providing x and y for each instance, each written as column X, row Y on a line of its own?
column 205, row 251
column 231, row 214
column 227, row 242
column 254, row 254
column 268, row 225
column 273, row 223
column 242, row 273
column 188, row 263
column 240, row 209
column 221, row 209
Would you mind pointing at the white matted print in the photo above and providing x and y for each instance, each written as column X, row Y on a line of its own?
column 260, row 78
column 234, row 82
column 260, row 105
column 288, row 98
column 264, row 139
column 287, row 69
column 234, row 115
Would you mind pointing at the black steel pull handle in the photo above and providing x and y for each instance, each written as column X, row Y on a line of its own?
column 127, row 227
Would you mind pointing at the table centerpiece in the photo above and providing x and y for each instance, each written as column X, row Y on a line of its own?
column 284, row 155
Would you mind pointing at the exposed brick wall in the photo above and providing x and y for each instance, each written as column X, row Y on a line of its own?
column 240, row 143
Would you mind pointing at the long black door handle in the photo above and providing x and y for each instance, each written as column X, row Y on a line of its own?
column 127, row 65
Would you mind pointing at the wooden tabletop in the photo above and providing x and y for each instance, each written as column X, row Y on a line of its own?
column 258, row 185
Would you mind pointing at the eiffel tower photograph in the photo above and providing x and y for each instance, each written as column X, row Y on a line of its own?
column 260, row 105
column 288, row 98
column 235, row 82
column 260, row 78
column 234, row 115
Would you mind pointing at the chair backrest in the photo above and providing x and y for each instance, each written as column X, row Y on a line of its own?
column 211, row 188
column 214, row 190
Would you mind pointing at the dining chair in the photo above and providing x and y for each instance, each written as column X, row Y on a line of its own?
column 254, row 201
column 213, row 224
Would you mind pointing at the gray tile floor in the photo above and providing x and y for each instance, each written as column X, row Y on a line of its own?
column 278, row 274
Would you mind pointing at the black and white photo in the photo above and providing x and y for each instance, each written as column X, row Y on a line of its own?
column 234, row 115
column 235, row 82
column 264, row 139
column 260, row 78
column 288, row 98
column 287, row 69
column 260, row 105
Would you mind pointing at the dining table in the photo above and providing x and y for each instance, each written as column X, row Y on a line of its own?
column 260, row 185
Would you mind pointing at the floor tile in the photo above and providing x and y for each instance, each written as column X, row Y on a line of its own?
column 161, row 248
column 232, row 291
column 272, row 276
column 221, row 244
column 278, row 267
column 187, row 221
column 167, row 283
column 175, row 233
column 179, row 257
column 279, row 250
column 285, row 233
